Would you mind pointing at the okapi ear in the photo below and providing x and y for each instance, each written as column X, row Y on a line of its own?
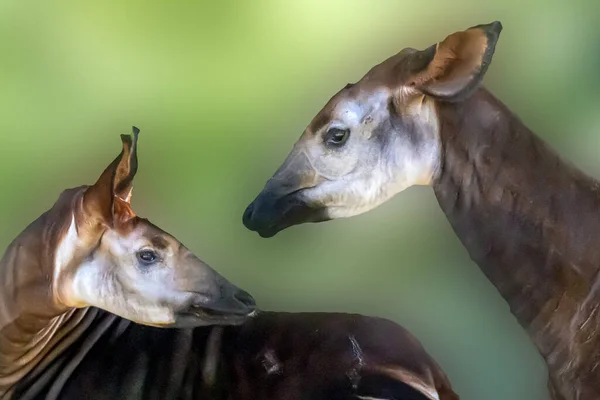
column 451, row 70
column 127, row 167
column 122, row 211
column 115, row 182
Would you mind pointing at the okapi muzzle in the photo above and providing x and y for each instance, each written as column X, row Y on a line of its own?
column 282, row 203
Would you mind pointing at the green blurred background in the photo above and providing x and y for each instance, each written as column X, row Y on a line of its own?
column 221, row 91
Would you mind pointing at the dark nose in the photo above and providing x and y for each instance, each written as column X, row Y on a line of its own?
column 245, row 298
column 247, row 217
column 262, row 212
column 233, row 301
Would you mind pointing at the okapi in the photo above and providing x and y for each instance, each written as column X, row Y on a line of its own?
column 77, row 278
column 273, row 356
column 91, row 250
column 526, row 217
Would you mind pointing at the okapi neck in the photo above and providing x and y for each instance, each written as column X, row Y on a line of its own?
column 31, row 321
column 527, row 218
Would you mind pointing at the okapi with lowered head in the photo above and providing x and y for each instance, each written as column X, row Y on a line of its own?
column 91, row 250
column 526, row 217
column 273, row 356
column 74, row 280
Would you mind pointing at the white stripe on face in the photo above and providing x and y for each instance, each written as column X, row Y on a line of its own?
column 380, row 159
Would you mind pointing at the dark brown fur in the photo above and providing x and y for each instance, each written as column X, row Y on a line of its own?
column 27, row 304
column 527, row 219
column 275, row 356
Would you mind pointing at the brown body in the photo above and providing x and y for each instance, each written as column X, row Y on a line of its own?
column 91, row 250
column 274, row 356
column 527, row 218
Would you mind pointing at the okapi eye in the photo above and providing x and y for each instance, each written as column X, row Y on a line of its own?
column 147, row 256
column 337, row 137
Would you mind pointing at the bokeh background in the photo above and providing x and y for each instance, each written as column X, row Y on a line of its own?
column 221, row 90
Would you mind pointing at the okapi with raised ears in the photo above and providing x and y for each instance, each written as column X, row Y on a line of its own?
column 91, row 250
column 529, row 219
column 273, row 356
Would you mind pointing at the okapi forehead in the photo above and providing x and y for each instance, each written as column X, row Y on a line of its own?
column 392, row 72
column 124, row 242
column 142, row 228
column 385, row 78
column 350, row 107
column 159, row 242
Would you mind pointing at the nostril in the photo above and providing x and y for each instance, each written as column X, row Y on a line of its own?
column 245, row 298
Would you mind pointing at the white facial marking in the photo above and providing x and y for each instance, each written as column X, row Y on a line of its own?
column 368, row 171
column 96, row 285
column 113, row 281
column 352, row 113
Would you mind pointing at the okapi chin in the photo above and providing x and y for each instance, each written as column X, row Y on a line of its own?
column 528, row 219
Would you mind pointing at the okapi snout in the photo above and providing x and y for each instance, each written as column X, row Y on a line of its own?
column 229, row 305
column 282, row 202
column 269, row 214
column 234, row 301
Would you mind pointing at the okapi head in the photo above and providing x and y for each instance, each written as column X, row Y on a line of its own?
column 376, row 137
column 110, row 258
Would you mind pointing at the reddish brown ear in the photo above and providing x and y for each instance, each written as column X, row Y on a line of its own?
column 115, row 181
column 127, row 167
column 453, row 69
column 122, row 211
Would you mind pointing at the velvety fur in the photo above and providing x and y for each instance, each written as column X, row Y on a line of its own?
column 528, row 219
column 85, row 251
column 274, row 356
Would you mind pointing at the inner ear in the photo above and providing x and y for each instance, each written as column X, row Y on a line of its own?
column 127, row 167
column 122, row 212
column 115, row 182
column 454, row 68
